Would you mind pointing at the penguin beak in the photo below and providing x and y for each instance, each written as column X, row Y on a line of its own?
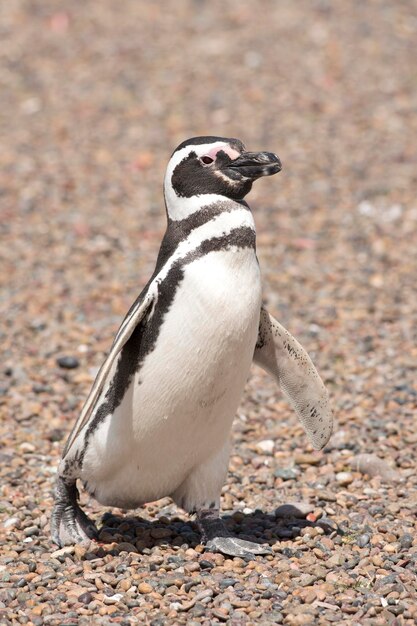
column 253, row 165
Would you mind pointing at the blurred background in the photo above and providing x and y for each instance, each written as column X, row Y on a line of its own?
column 94, row 97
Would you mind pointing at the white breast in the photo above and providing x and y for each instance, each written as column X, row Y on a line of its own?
column 180, row 406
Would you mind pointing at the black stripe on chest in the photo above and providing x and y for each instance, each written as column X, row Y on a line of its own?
column 144, row 338
column 179, row 230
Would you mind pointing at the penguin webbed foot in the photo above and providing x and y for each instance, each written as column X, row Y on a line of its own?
column 69, row 523
column 218, row 538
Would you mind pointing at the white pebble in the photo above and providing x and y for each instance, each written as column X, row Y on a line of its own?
column 113, row 599
column 12, row 521
column 27, row 447
column 247, row 510
column 266, row 447
column 344, row 478
column 366, row 208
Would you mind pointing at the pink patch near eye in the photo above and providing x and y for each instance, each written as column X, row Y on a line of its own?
column 233, row 154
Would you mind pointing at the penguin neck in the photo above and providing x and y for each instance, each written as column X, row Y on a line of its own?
column 179, row 208
column 208, row 211
column 210, row 220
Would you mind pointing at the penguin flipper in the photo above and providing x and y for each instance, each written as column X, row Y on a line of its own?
column 280, row 354
column 134, row 316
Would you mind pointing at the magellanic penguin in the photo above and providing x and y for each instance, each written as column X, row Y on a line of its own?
column 158, row 418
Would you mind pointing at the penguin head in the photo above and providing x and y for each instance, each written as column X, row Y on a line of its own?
column 212, row 166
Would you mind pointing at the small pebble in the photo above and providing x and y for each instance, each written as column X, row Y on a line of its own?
column 265, row 447
column 363, row 540
column 286, row 473
column 11, row 522
column 307, row 459
column 85, row 598
column 228, row 582
column 68, row 362
column 145, row 588
column 406, row 541
column 114, row 599
column 344, row 478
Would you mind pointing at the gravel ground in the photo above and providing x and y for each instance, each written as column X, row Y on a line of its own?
column 94, row 97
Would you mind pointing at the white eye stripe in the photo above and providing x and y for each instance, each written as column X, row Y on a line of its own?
column 200, row 150
column 231, row 152
column 182, row 207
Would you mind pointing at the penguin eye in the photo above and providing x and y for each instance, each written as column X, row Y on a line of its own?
column 207, row 160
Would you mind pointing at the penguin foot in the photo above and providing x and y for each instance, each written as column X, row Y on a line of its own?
column 233, row 546
column 218, row 538
column 69, row 523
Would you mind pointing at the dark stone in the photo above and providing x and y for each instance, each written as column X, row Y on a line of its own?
column 288, row 552
column 109, row 591
column 286, row 473
column 351, row 563
column 120, row 569
column 406, row 541
column 190, row 584
column 227, row 582
column 363, row 540
column 204, row 564
column 39, row 388
column 376, row 510
column 198, row 610
column 397, row 609
column 7, row 595
column 37, row 325
column 85, row 598
column 390, row 579
column 56, row 434
column 30, row 531
column 285, row 533
column 61, row 597
column 175, row 559
column 68, row 362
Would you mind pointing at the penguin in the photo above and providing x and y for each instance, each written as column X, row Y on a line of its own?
column 158, row 418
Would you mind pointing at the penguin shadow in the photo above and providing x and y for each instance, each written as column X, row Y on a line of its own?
column 136, row 534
